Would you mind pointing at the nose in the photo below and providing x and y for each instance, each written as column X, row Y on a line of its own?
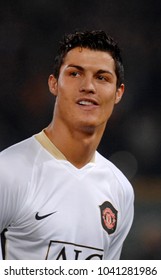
column 87, row 85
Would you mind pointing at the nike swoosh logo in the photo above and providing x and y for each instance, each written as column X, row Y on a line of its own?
column 37, row 217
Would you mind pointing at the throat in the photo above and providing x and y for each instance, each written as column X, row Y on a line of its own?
column 78, row 148
column 79, row 153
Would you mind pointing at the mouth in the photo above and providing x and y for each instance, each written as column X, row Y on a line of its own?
column 87, row 102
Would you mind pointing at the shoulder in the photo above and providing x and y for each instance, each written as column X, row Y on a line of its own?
column 18, row 163
column 20, row 152
column 116, row 174
column 18, row 160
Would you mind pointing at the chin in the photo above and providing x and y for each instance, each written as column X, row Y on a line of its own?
column 91, row 128
column 88, row 129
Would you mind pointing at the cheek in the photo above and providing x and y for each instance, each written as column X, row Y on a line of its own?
column 63, row 98
column 64, row 88
column 109, row 103
column 110, row 98
column 61, row 91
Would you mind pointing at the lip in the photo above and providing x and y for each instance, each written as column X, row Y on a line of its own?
column 87, row 102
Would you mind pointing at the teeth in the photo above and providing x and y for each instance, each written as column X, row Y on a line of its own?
column 83, row 102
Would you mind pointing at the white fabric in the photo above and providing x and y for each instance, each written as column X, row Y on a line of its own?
column 32, row 180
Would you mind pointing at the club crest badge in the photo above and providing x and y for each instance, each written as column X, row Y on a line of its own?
column 108, row 217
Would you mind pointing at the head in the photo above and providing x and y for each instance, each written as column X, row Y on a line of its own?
column 93, row 40
column 87, row 81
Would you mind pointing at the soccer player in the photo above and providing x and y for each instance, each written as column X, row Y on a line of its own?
column 59, row 197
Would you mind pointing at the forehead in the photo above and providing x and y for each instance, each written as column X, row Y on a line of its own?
column 86, row 57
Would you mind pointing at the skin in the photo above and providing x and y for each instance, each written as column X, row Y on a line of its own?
column 86, row 94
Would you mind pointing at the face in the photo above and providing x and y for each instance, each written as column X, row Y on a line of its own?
column 85, row 90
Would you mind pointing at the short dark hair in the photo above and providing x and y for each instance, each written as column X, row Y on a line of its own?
column 94, row 40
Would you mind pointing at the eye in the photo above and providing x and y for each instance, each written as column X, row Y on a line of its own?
column 100, row 77
column 74, row 73
column 104, row 78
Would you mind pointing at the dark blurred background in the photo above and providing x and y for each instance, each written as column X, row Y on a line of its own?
column 29, row 33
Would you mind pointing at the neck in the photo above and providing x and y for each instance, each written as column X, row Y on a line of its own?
column 78, row 147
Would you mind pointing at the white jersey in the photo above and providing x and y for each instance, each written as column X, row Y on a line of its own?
column 54, row 211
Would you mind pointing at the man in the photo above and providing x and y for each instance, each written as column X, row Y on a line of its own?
column 60, row 199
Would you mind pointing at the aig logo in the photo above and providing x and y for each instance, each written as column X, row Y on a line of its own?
column 59, row 250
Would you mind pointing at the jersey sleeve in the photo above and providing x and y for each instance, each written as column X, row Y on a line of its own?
column 7, row 200
column 0, row 249
column 11, row 196
column 14, row 173
column 126, row 219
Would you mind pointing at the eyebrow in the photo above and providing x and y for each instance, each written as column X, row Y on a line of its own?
column 100, row 71
column 75, row 66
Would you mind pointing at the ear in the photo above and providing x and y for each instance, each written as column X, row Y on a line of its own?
column 53, row 85
column 119, row 93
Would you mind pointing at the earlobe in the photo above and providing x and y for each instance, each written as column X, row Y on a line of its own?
column 119, row 93
column 52, row 83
